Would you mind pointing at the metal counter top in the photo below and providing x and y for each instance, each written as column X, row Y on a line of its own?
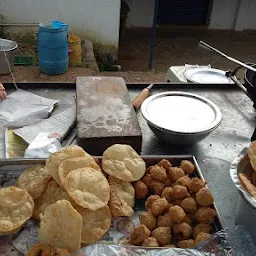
column 214, row 154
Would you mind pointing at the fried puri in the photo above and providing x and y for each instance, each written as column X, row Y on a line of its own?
column 148, row 219
column 176, row 213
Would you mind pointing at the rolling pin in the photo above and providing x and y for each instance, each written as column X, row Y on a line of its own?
column 141, row 97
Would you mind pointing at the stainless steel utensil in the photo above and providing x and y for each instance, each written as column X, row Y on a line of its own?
column 180, row 117
column 208, row 47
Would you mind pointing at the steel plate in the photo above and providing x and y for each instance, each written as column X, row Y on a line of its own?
column 181, row 112
column 207, row 76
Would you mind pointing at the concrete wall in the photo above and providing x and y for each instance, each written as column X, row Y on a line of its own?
column 142, row 12
column 246, row 17
column 233, row 14
column 96, row 19
column 223, row 14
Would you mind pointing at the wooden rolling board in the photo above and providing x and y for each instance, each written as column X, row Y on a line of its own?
column 105, row 115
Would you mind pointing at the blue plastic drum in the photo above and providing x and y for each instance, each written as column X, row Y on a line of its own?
column 52, row 48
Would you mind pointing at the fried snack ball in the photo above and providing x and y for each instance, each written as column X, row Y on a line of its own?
column 204, row 197
column 157, row 187
column 163, row 235
column 189, row 204
column 168, row 182
column 179, row 192
column 167, row 194
column 183, row 181
column 139, row 234
column 141, row 190
column 150, row 200
column 189, row 218
column 150, row 242
column 148, row 219
column 170, row 246
column 147, row 179
column 177, row 202
column 158, row 172
column 164, row 221
column 165, row 163
column 196, row 184
column 205, row 215
column 148, row 169
column 201, row 237
column 182, row 231
column 190, row 243
column 176, row 213
column 201, row 227
column 187, row 166
column 159, row 206
column 175, row 173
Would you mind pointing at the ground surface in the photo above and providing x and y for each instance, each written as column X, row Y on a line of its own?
column 174, row 46
column 177, row 46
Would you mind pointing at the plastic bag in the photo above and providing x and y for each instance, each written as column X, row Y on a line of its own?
column 43, row 145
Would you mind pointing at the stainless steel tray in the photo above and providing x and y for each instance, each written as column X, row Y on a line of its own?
column 10, row 170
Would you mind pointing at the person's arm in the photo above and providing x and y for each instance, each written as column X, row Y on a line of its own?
column 3, row 93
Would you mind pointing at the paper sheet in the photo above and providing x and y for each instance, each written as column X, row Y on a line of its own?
column 60, row 124
column 24, row 108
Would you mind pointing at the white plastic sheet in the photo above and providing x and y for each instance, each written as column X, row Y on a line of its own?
column 24, row 108
column 43, row 145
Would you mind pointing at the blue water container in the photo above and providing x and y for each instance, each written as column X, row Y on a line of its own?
column 52, row 48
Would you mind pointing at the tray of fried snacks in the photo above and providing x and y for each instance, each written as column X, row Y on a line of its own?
column 73, row 199
column 243, row 173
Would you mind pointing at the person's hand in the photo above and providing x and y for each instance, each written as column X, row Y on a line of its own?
column 3, row 93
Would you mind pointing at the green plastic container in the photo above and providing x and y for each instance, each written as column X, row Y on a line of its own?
column 24, row 60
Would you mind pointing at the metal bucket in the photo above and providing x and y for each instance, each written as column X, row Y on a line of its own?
column 7, row 48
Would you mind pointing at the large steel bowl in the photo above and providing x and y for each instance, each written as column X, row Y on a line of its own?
column 180, row 117
column 7, row 48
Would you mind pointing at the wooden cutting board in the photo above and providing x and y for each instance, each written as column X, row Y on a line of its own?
column 105, row 115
